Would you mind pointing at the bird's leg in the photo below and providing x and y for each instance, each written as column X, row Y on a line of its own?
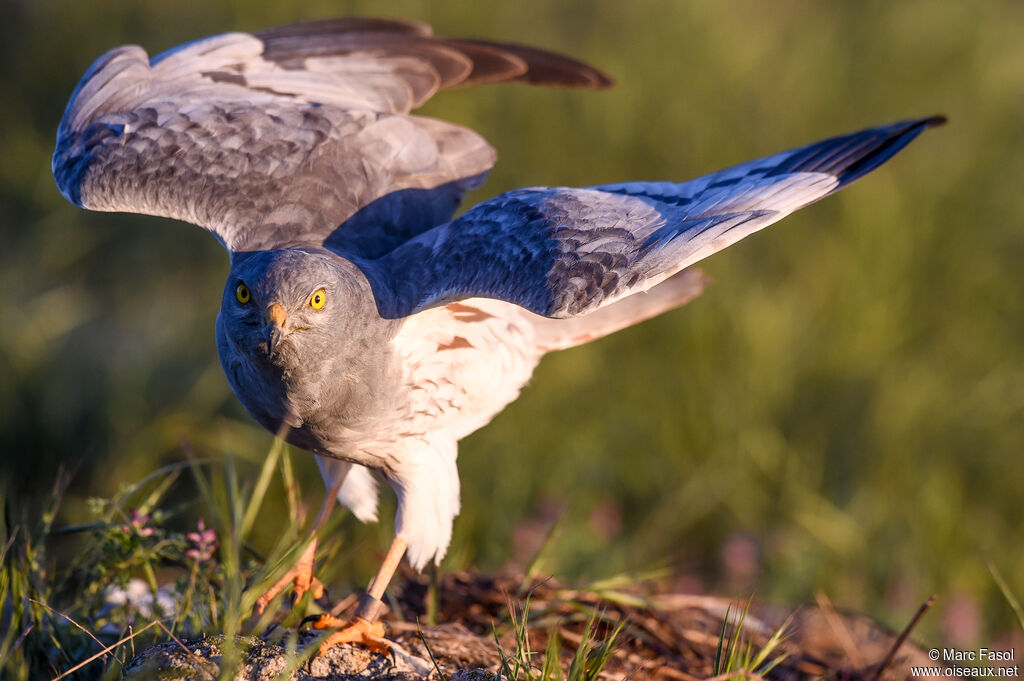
column 300, row 576
column 364, row 628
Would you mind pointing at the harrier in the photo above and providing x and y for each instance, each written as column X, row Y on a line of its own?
column 360, row 320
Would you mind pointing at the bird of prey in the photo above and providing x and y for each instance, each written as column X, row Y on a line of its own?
column 359, row 318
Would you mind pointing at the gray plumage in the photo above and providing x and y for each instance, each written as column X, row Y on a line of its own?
column 295, row 147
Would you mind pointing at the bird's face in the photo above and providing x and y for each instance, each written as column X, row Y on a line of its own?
column 302, row 345
column 291, row 308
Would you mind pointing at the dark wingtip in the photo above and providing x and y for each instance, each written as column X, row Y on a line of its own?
column 536, row 66
column 851, row 157
column 894, row 138
column 490, row 62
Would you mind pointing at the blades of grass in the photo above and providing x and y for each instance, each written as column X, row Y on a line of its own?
column 5, row 653
column 50, row 513
column 182, row 614
column 260, row 490
column 286, row 556
column 771, row 664
column 760, row 664
column 591, row 657
column 734, row 650
column 504, row 670
column 430, row 653
column 154, row 497
column 231, row 559
column 519, row 665
column 8, row 544
column 524, row 653
column 83, row 527
column 296, row 659
column 294, row 493
column 599, row 658
column 191, row 462
column 433, row 591
column 625, row 580
column 234, row 494
column 205, row 490
column 721, row 643
column 578, row 666
column 1007, row 593
column 552, row 669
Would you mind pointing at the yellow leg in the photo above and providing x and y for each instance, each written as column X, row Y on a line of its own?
column 365, row 629
column 300, row 576
column 386, row 572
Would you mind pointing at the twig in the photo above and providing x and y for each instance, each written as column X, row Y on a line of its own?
column 903, row 636
column 677, row 674
column 58, row 612
column 344, row 604
column 839, row 629
column 104, row 652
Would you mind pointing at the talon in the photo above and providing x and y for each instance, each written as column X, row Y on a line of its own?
column 367, row 634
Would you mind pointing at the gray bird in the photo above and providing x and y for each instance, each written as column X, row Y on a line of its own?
column 359, row 320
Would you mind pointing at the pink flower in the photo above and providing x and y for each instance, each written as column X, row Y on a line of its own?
column 204, row 542
column 137, row 524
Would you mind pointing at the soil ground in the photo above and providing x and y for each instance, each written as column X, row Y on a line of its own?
column 665, row 636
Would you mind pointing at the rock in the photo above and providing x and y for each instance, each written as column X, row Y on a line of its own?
column 265, row 661
column 473, row 675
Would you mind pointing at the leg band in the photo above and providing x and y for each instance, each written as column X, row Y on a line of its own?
column 370, row 608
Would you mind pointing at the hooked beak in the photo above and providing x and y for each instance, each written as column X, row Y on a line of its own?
column 275, row 314
column 274, row 320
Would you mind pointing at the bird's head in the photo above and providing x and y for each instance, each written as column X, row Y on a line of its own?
column 297, row 308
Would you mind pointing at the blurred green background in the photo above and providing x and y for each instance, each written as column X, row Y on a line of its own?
column 841, row 411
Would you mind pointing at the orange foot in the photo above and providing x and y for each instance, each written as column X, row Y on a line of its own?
column 367, row 634
column 299, row 577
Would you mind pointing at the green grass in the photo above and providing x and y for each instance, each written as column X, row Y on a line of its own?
column 737, row 658
column 54, row 607
column 520, row 663
column 1011, row 598
column 54, row 604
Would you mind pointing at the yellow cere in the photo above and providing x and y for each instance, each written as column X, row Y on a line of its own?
column 242, row 293
column 318, row 299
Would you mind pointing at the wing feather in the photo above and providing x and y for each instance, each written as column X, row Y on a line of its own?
column 279, row 137
column 561, row 252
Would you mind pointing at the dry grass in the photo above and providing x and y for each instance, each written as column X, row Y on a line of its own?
column 664, row 636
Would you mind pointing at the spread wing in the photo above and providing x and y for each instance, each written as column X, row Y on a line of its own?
column 561, row 252
column 276, row 138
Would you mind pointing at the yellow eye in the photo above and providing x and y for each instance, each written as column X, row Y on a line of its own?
column 242, row 293
column 318, row 299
